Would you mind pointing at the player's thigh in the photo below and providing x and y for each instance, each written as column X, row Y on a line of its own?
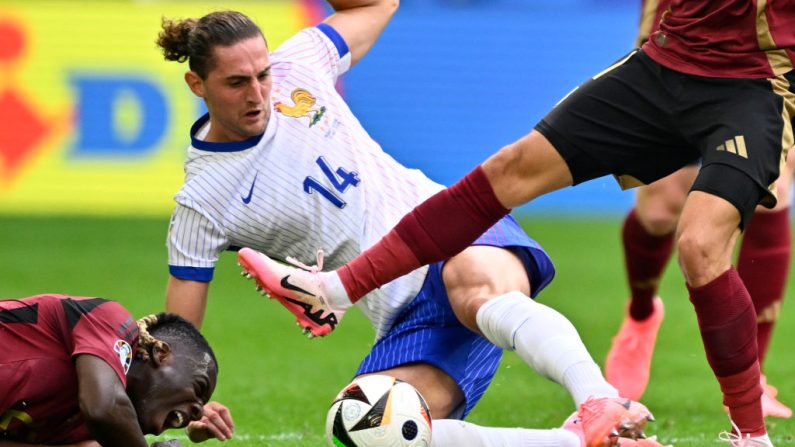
column 525, row 169
column 440, row 391
column 479, row 274
column 659, row 204
column 620, row 123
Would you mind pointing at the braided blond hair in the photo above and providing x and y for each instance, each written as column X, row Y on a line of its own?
column 146, row 341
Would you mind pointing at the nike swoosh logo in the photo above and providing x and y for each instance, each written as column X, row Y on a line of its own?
column 316, row 317
column 289, row 286
column 247, row 199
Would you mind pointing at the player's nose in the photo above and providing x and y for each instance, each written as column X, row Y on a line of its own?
column 255, row 94
column 196, row 412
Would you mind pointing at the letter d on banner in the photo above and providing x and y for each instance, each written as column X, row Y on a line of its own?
column 103, row 101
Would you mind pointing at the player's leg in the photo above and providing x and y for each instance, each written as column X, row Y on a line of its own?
column 647, row 236
column 490, row 293
column 456, row 433
column 763, row 265
column 470, row 203
column 727, row 321
column 609, row 125
column 740, row 159
column 541, row 336
column 451, row 366
column 521, row 171
column 764, row 257
column 446, row 402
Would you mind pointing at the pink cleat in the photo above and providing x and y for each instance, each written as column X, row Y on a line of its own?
column 770, row 405
column 301, row 290
column 629, row 360
column 600, row 421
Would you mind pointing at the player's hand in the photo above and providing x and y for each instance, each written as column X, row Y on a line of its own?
column 169, row 443
column 215, row 423
column 87, row 444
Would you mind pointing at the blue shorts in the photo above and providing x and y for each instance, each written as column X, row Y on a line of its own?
column 427, row 330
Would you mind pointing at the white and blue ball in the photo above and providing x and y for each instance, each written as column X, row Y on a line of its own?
column 378, row 410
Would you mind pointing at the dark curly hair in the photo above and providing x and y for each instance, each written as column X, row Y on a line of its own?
column 193, row 40
column 154, row 330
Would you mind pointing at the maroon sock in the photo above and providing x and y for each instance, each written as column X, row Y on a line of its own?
column 365, row 272
column 741, row 393
column 437, row 229
column 727, row 322
column 763, row 264
column 645, row 257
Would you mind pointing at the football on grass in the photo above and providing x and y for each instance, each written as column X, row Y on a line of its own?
column 378, row 410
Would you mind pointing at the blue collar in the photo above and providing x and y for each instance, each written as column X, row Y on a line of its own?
column 232, row 146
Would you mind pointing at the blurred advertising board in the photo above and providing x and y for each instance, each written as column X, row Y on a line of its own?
column 92, row 119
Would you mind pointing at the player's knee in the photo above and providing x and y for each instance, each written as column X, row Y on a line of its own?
column 466, row 310
column 700, row 257
column 658, row 217
column 660, row 223
column 691, row 246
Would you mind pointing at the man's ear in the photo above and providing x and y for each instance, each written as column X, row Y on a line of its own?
column 160, row 352
column 195, row 83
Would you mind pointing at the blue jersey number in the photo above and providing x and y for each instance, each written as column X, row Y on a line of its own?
column 340, row 179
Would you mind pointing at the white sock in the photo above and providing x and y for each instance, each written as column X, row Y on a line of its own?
column 455, row 433
column 337, row 295
column 545, row 340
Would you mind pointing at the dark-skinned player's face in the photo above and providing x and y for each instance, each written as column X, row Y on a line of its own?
column 179, row 387
column 237, row 90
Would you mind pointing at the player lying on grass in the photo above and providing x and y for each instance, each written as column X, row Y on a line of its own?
column 281, row 164
column 81, row 371
column 714, row 83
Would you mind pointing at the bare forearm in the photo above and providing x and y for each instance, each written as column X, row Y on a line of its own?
column 118, row 428
column 187, row 299
column 107, row 411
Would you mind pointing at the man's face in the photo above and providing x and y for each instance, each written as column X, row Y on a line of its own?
column 178, row 389
column 237, row 90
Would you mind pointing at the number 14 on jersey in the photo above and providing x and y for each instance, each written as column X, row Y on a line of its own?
column 340, row 179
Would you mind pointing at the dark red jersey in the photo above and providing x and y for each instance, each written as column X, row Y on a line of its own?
column 726, row 38
column 650, row 13
column 40, row 337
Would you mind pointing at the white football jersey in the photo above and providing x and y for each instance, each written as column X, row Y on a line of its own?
column 314, row 180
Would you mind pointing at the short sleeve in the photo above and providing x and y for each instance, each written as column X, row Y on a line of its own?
column 104, row 329
column 194, row 244
column 321, row 48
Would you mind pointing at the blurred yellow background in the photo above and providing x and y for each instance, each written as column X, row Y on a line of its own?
column 93, row 120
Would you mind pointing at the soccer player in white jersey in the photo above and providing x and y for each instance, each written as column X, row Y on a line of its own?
column 280, row 164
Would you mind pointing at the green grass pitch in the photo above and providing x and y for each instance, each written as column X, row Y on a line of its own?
column 279, row 384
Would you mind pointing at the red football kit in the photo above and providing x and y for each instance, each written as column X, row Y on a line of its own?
column 40, row 337
column 725, row 38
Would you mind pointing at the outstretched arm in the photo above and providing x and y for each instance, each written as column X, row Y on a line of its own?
column 360, row 22
column 187, row 299
column 108, row 412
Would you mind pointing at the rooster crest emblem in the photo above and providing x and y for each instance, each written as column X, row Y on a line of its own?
column 304, row 104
